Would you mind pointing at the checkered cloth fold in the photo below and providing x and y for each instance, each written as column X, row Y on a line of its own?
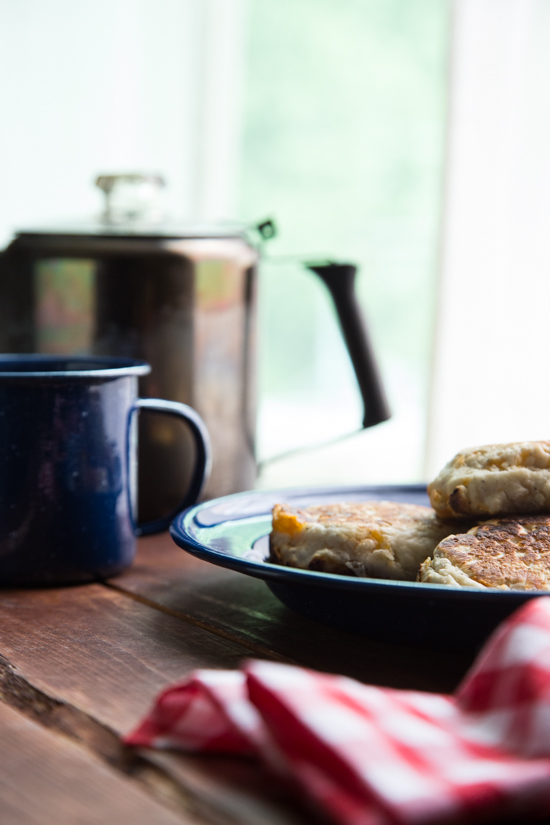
column 370, row 755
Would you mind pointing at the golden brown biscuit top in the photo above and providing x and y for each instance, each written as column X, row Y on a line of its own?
column 293, row 520
column 497, row 479
column 503, row 456
column 503, row 552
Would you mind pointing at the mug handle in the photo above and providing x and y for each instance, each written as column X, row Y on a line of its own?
column 203, row 461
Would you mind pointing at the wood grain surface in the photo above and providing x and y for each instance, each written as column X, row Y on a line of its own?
column 101, row 652
column 244, row 610
column 81, row 665
column 45, row 778
column 88, row 661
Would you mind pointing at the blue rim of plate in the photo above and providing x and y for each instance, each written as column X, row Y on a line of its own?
column 225, row 531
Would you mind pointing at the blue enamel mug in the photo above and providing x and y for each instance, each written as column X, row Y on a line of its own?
column 68, row 466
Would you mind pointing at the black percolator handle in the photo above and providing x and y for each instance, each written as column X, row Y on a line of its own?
column 340, row 282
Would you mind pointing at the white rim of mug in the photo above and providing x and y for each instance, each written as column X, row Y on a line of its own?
column 133, row 367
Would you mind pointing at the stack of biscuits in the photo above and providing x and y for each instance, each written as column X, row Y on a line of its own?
column 489, row 527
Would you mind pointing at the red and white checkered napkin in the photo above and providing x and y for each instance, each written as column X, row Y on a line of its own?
column 369, row 755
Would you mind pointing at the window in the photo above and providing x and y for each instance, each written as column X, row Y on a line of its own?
column 343, row 145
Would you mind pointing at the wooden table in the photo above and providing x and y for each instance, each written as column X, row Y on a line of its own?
column 79, row 666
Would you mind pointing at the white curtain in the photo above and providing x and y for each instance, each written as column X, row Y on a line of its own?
column 491, row 372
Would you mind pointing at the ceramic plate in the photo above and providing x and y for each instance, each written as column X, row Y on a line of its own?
column 234, row 532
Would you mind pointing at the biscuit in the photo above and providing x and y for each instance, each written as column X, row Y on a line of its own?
column 496, row 480
column 382, row 539
column 506, row 554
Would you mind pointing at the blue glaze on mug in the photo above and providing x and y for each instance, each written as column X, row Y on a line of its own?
column 67, row 467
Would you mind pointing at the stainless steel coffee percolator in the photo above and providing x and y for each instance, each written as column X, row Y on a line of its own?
column 182, row 298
